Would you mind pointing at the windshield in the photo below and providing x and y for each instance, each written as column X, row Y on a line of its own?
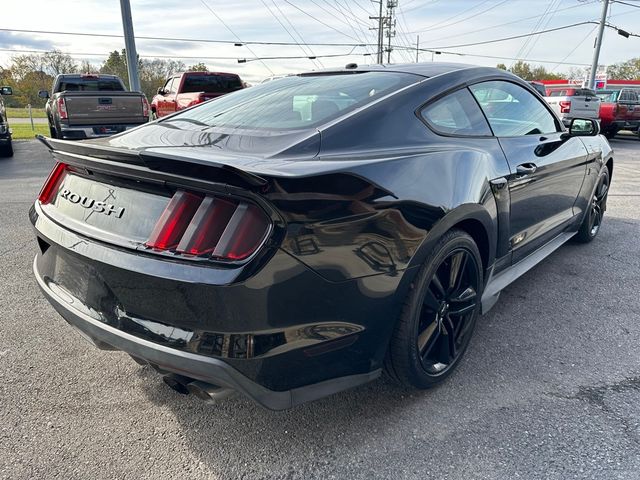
column 297, row 101
column 90, row 85
column 608, row 96
column 211, row 83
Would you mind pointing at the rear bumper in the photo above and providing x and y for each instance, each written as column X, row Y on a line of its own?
column 94, row 131
column 281, row 337
column 198, row 367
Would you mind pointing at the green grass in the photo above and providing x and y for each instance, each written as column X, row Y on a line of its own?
column 22, row 131
column 24, row 113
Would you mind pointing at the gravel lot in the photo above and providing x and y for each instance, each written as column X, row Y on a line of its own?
column 549, row 389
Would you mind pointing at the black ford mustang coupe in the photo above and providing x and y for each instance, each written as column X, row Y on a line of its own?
column 294, row 239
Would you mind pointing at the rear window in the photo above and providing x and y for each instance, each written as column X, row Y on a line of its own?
column 297, row 101
column 584, row 92
column 610, row 96
column 90, row 85
column 211, row 83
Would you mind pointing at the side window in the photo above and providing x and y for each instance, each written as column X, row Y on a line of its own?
column 513, row 111
column 175, row 81
column 456, row 114
column 167, row 86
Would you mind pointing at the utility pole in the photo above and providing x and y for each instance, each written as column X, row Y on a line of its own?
column 380, row 29
column 391, row 25
column 596, row 52
column 417, row 48
column 130, row 45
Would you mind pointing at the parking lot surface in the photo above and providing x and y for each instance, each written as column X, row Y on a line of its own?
column 549, row 388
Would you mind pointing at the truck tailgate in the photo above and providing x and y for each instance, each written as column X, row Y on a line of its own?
column 96, row 108
column 585, row 107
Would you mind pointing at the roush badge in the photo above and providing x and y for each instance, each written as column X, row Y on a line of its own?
column 90, row 203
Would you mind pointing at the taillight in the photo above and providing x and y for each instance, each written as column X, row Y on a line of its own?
column 145, row 107
column 62, row 108
column 565, row 107
column 208, row 226
column 50, row 187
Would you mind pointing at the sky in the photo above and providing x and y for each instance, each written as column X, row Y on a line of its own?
column 444, row 25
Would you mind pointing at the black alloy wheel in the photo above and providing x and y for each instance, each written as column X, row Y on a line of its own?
column 598, row 205
column 448, row 311
column 439, row 315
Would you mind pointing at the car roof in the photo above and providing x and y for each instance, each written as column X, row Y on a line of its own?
column 425, row 69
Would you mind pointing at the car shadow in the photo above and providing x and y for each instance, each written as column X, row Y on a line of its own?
column 519, row 349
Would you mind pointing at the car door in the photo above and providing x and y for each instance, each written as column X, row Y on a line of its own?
column 162, row 99
column 633, row 108
column 623, row 107
column 171, row 100
column 547, row 168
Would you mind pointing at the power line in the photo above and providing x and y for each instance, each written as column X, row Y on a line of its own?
column 514, row 37
column 320, row 21
column 439, row 25
column 288, row 31
column 625, row 3
column 194, row 57
column 459, row 54
column 469, row 32
column 177, row 39
column 206, row 5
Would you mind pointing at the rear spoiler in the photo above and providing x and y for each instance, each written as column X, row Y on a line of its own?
column 209, row 170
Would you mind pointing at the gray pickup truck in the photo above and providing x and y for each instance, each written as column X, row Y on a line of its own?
column 6, row 148
column 89, row 106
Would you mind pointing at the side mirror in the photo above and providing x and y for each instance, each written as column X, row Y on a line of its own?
column 160, row 91
column 43, row 94
column 584, row 127
column 6, row 91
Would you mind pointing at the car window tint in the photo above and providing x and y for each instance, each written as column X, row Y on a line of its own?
column 512, row 110
column 90, row 85
column 299, row 101
column 458, row 114
column 206, row 82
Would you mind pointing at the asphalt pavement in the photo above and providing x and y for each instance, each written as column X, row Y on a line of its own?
column 549, row 388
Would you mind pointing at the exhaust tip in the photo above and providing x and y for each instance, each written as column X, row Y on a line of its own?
column 177, row 383
column 207, row 392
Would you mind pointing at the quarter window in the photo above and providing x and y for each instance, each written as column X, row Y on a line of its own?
column 512, row 110
column 456, row 114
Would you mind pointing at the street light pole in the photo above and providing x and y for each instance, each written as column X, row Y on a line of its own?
column 596, row 52
column 130, row 45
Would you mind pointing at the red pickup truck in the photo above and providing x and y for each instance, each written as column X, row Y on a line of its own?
column 184, row 90
column 619, row 110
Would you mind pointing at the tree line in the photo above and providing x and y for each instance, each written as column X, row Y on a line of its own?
column 29, row 73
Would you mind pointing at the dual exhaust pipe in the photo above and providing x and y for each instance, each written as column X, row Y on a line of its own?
column 206, row 392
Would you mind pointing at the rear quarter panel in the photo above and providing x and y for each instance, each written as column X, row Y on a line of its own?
column 382, row 215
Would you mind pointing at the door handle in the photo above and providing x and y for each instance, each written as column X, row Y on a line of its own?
column 526, row 168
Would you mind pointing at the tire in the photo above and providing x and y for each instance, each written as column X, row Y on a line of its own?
column 7, row 150
column 590, row 226
column 420, row 350
column 53, row 133
column 154, row 115
column 609, row 134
